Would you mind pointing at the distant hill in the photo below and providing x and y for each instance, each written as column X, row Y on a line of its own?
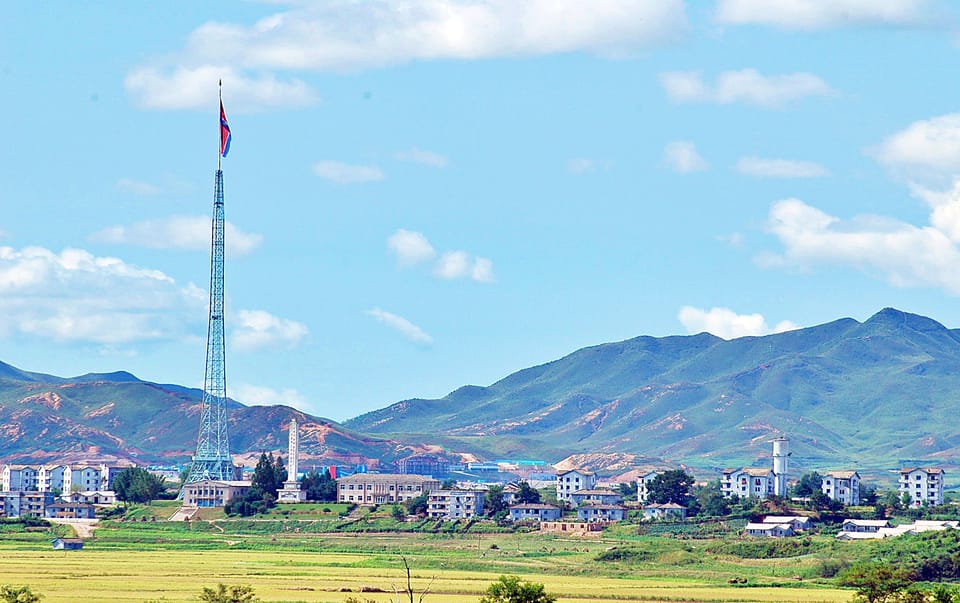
column 115, row 416
column 869, row 395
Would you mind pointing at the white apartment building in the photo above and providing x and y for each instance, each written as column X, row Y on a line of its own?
column 842, row 486
column 572, row 480
column 643, row 486
column 747, row 481
column 455, row 504
column 924, row 485
column 64, row 478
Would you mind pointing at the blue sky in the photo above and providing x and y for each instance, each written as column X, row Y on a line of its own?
column 433, row 193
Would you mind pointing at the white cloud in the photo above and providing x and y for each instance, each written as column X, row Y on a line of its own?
column 682, row 157
column 780, row 168
column 401, row 325
column 422, row 157
column 459, row 264
column 581, row 165
column 257, row 395
column 338, row 35
column 178, row 232
column 345, row 173
column 482, row 270
column 256, row 329
column 821, row 14
column 137, row 187
column 74, row 296
column 744, row 86
column 452, row 264
column 904, row 254
column 925, row 147
column 410, row 247
column 727, row 324
column 185, row 87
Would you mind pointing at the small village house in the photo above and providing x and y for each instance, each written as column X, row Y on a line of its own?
column 664, row 511
column 534, row 512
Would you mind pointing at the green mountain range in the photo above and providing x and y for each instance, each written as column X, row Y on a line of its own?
column 117, row 417
column 872, row 395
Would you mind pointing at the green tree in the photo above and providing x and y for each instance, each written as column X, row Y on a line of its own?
column 876, row 582
column 418, row 505
column 511, row 589
column 808, row 484
column 269, row 474
column 448, row 484
column 671, row 486
column 493, row 501
column 711, row 500
column 319, row 486
column 135, row 484
column 18, row 594
column 228, row 594
column 527, row 494
column 628, row 489
column 398, row 512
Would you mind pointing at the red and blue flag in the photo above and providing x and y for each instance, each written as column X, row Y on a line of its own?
column 225, row 135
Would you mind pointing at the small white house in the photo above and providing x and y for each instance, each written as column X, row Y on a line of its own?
column 664, row 511
column 769, row 530
column 797, row 522
column 864, row 525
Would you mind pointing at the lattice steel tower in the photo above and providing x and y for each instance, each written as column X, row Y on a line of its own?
column 213, row 459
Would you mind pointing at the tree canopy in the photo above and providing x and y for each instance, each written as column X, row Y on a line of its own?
column 319, row 487
column 135, row 484
column 671, row 486
column 511, row 589
column 527, row 494
column 808, row 484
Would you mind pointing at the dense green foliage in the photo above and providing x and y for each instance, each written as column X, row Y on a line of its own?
column 319, row 486
column 511, row 589
column 137, row 485
column 268, row 477
column 228, row 594
column 18, row 594
column 671, row 486
column 527, row 494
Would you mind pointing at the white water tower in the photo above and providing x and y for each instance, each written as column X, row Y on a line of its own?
column 781, row 465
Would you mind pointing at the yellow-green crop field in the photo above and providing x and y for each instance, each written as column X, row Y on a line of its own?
column 172, row 562
column 89, row 575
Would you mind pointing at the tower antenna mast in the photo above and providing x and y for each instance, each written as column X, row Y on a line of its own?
column 213, row 459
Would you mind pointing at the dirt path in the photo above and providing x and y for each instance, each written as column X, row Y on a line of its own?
column 83, row 527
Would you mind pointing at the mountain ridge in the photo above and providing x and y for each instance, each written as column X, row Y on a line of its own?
column 709, row 402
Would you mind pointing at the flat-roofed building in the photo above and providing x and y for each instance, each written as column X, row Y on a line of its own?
column 370, row 489
column 213, row 493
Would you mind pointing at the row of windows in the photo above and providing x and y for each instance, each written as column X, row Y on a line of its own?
column 409, row 488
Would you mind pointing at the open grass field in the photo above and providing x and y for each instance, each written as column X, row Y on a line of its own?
column 297, row 561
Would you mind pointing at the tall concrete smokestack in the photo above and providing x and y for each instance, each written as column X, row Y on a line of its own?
column 781, row 465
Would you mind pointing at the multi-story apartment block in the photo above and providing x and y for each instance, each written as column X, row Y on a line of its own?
column 62, row 478
column 573, row 480
column 643, row 486
column 748, row 481
column 23, row 503
column 19, row 477
column 924, row 485
column 370, row 489
column 455, row 504
column 842, row 486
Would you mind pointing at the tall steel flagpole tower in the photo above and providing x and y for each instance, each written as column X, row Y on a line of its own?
column 213, row 459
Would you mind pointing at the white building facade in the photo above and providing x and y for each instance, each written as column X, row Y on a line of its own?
column 573, row 480
column 924, row 485
column 842, row 486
